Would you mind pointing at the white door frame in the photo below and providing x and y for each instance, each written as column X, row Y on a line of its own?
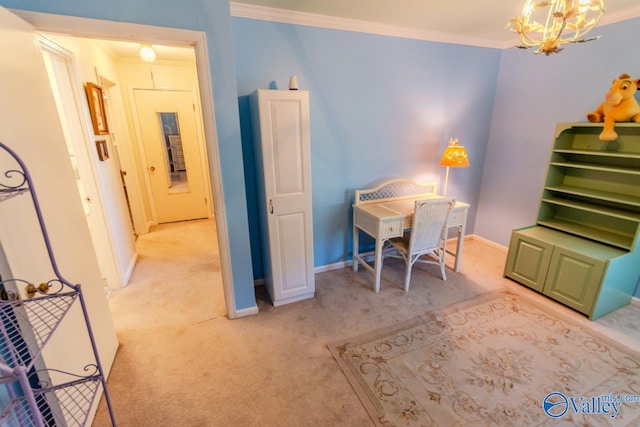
column 123, row 154
column 98, row 224
column 96, row 28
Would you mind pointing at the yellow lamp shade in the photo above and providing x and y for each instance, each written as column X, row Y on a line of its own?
column 454, row 156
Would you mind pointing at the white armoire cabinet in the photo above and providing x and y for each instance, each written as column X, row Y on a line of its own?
column 282, row 150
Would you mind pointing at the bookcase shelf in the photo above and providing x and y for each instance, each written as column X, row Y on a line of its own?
column 598, row 235
column 605, row 196
column 598, row 167
column 590, row 205
column 596, row 154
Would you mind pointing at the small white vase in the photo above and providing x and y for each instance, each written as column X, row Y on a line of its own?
column 293, row 83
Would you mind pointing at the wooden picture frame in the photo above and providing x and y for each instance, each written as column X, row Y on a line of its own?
column 103, row 152
column 96, row 108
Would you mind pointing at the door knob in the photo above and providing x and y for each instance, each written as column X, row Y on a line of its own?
column 152, row 168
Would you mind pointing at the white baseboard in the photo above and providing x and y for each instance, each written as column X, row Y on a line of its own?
column 368, row 256
column 250, row 311
column 487, row 242
column 129, row 271
column 334, row 266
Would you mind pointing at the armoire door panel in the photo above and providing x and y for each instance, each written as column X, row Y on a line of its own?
column 528, row 261
column 291, row 230
column 287, row 152
column 573, row 279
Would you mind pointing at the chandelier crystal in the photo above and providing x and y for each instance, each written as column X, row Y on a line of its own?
column 547, row 25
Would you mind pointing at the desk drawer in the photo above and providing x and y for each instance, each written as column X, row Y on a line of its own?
column 456, row 218
column 391, row 228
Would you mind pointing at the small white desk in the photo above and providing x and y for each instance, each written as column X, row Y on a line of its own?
column 387, row 218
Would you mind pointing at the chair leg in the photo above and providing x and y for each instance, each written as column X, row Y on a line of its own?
column 442, row 264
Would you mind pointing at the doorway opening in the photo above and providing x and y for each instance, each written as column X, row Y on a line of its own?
column 107, row 30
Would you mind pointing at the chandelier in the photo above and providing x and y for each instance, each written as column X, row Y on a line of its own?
column 548, row 25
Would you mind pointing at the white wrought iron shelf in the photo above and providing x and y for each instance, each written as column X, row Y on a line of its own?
column 31, row 396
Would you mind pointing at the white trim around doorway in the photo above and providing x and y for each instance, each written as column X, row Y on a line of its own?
column 96, row 28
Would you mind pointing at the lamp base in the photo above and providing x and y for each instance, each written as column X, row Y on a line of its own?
column 446, row 181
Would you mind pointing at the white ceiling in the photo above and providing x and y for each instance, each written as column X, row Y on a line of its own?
column 123, row 49
column 481, row 23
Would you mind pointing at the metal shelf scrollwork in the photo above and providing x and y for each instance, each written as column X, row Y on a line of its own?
column 30, row 393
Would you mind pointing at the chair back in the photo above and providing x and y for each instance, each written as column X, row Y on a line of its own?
column 430, row 218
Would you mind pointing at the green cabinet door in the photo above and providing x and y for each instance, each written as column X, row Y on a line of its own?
column 574, row 279
column 528, row 260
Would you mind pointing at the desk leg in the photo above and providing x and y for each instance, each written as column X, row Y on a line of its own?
column 456, row 266
column 356, row 244
column 378, row 263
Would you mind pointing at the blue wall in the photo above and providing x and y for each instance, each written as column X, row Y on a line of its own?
column 381, row 107
column 213, row 18
column 384, row 107
column 534, row 93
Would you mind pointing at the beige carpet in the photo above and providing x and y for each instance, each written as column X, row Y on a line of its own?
column 491, row 361
column 182, row 363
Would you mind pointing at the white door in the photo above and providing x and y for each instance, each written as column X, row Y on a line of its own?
column 168, row 129
column 286, row 160
column 74, row 129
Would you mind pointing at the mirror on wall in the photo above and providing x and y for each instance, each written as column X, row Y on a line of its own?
column 173, row 153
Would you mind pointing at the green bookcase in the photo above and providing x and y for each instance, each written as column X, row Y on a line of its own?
column 583, row 250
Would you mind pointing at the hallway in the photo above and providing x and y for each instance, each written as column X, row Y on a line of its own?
column 157, row 295
column 176, row 284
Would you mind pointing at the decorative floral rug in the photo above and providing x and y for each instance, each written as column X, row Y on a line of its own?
column 497, row 360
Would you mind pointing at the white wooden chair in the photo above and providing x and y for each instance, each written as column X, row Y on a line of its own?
column 426, row 237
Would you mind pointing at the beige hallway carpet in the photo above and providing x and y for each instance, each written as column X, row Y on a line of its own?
column 181, row 362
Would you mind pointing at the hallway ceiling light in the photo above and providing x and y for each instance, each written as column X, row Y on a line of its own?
column 147, row 53
column 549, row 24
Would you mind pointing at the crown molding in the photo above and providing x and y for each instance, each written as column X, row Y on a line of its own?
column 243, row 10
column 98, row 28
column 619, row 16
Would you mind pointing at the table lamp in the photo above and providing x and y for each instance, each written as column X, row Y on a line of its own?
column 454, row 156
